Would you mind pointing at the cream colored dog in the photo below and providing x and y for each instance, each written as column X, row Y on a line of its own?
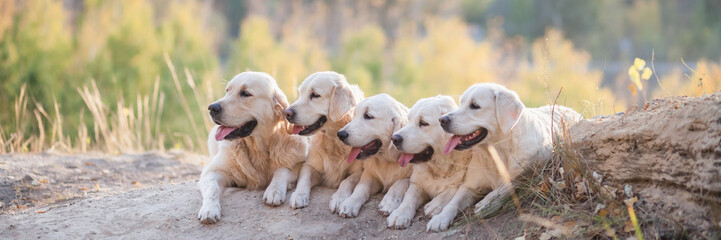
column 437, row 176
column 369, row 133
column 251, row 144
column 324, row 106
column 492, row 114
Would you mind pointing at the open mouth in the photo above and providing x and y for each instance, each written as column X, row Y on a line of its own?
column 307, row 130
column 423, row 156
column 228, row 133
column 364, row 151
column 462, row 142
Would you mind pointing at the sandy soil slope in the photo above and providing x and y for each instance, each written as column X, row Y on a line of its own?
column 169, row 212
column 669, row 151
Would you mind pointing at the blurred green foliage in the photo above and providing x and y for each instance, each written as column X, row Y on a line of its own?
column 613, row 29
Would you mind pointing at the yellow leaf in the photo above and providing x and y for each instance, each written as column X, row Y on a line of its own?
column 603, row 213
column 639, row 63
column 635, row 78
column 646, row 74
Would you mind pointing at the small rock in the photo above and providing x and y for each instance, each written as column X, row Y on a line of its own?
column 597, row 177
column 628, row 190
column 35, row 183
column 106, row 171
column 27, row 178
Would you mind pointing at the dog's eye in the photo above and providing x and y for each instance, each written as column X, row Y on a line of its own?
column 314, row 95
column 422, row 123
column 245, row 94
column 367, row 117
column 474, row 106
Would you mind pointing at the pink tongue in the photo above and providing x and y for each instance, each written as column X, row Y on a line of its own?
column 297, row 129
column 353, row 154
column 405, row 159
column 222, row 132
column 452, row 143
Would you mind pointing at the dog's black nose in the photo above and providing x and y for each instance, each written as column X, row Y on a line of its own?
column 445, row 121
column 215, row 108
column 289, row 114
column 342, row 135
column 397, row 140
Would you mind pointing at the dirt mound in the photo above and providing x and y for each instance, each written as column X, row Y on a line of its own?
column 668, row 151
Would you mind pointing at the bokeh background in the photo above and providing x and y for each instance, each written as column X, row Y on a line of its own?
column 133, row 75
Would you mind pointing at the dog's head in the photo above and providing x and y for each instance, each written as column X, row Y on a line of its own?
column 375, row 120
column 423, row 135
column 487, row 110
column 323, row 96
column 252, row 101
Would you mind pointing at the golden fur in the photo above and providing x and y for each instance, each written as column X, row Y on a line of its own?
column 267, row 157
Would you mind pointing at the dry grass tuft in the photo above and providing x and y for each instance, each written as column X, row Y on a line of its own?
column 120, row 127
column 564, row 198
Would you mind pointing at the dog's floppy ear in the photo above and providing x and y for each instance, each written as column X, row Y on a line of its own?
column 343, row 98
column 401, row 117
column 280, row 102
column 508, row 109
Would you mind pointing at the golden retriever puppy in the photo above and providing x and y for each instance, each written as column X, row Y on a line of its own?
column 492, row 114
column 436, row 176
column 324, row 106
column 250, row 144
column 369, row 133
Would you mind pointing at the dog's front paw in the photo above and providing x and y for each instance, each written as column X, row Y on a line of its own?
column 335, row 201
column 400, row 219
column 433, row 208
column 439, row 223
column 350, row 208
column 274, row 196
column 299, row 199
column 209, row 213
column 388, row 204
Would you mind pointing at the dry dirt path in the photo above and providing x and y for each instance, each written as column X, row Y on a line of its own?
column 168, row 212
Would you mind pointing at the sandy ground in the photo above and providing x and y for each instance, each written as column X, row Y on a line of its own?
column 155, row 195
column 169, row 212
column 32, row 180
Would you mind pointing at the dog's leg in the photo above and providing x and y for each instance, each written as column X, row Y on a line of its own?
column 345, row 189
column 212, row 184
column 493, row 200
column 366, row 187
column 275, row 193
column 401, row 217
column 435, row 206
column 394, row 196
column 461, row 200
column 307, row 179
